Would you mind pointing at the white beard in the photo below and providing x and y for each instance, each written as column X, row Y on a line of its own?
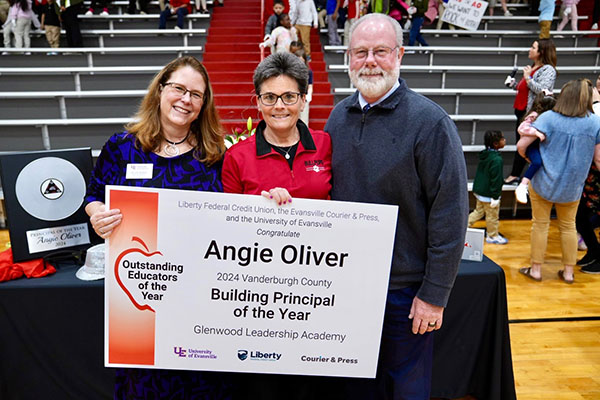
column 375, row 87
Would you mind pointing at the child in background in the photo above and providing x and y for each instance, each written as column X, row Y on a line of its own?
column 569, row 11
column 273, row 21
column 69, row 10
column 18, row 22
column 282, row 36
column 304, row 17
column 353, row 7
column 417, row 11
column 51, row 24
column 487, row 187
column 181, row 8
column 542, row 103
column 546, row 15
column 297, row 49
column 321, row 12
column 333, row 7
column 97, row 4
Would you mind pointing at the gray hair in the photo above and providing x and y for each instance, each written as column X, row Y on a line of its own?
column 281, row 64
column 392, row 21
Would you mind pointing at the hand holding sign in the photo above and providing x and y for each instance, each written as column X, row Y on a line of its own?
column 465, row 13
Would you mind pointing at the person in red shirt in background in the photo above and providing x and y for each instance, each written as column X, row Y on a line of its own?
column 540, row 75
column 179, row 7
column 356, row 9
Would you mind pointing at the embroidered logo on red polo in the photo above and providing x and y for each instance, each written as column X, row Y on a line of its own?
column 314, row 165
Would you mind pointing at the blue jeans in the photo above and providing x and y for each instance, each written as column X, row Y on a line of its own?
column 166, row 13
column 334, row 38
column 533, row 153
column 405, row 359
column 415, row 32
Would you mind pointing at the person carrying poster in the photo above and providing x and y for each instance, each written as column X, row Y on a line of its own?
column 393, row 146
column 283, row 158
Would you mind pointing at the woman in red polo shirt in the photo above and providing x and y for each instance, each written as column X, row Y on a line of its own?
column 284, row 152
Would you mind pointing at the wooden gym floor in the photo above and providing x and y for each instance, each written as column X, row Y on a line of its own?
column 554, row 327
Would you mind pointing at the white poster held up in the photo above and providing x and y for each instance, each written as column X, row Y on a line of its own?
column 229, row 282
column 465, row 13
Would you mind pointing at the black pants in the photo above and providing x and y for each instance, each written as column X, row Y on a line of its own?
column 583, row 222
column 143, row 6
column 533, row 7
column 99, row 4
column 519, row 162
column 71, row 25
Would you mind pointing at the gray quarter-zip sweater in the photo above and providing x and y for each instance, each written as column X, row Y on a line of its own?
column 406, row 151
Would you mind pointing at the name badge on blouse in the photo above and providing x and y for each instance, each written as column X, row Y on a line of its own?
column 139, row 171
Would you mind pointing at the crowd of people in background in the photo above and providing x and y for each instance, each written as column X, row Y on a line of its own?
column 20, row 17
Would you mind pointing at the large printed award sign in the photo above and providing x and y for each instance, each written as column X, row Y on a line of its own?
column 224, row 282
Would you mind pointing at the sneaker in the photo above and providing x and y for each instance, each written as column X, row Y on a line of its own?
column 580, row 243
column 52, row 53
column 5, row 53
column 142, row 12
column 89, row 12
column 27, row 53
column 593, row 268
column 508, row 14
column 498, row 239
column 588, row 259
column 595, row 26
column 104, row 13
column 177, row 28
column 521, row 193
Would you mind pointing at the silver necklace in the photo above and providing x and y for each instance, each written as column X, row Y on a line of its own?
column 287, row 152
column 171, row 149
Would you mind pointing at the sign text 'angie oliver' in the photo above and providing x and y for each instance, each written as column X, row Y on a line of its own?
column 219, row 280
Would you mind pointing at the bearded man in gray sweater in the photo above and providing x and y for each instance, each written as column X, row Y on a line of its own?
column 394, row 146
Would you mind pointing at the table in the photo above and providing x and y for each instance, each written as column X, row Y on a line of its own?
column 472, row 349
column 52, row 347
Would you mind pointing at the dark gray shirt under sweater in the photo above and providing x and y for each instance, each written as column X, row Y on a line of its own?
column 406, row 151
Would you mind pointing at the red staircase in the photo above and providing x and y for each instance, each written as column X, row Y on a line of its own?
column 231, row 55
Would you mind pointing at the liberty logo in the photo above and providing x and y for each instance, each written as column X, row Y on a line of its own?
column 179, row 351
column 242, row 354
column 52, row 189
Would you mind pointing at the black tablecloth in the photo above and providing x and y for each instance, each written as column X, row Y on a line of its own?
column 52, row 338
column 472, row 350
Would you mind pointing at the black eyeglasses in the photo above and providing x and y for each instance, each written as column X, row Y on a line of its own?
column 195, row 95
column 288, row 98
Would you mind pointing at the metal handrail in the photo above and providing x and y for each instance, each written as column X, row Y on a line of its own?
column 262, row 27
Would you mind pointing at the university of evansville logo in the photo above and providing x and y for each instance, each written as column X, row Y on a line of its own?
column 314, row 165
column 242, row 354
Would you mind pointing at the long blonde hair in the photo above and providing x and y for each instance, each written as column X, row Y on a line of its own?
column 206, row 129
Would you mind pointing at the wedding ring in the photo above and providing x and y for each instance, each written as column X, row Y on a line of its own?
column 431, row 324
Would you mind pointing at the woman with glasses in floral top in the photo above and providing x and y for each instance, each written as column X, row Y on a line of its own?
column 177, row 135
